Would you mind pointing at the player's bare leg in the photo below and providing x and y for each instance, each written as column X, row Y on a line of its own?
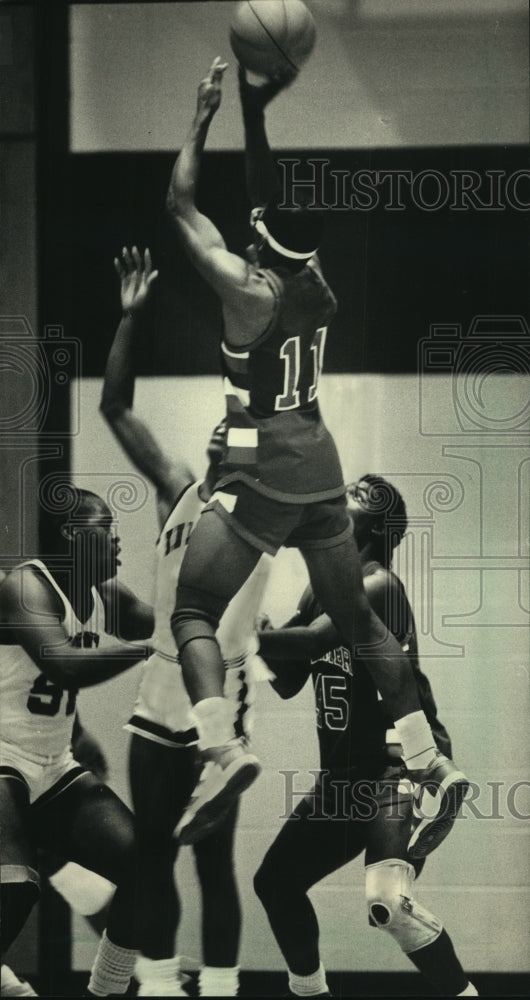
column 217, row 555
column 440, row 787
column 20, row 881
column 87, row 823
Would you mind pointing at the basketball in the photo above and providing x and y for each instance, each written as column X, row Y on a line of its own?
column 271, row 36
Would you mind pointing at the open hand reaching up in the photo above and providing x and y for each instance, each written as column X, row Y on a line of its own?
column 136, row 278
column 210, row 91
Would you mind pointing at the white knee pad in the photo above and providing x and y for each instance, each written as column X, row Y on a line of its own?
column 19, row 874
column 85, row 891
column 392, row 907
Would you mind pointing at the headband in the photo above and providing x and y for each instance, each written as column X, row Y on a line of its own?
column 260, row 226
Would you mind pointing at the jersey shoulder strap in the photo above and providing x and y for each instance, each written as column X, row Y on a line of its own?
column 71, row 620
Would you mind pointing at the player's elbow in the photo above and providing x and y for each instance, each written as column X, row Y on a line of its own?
column 178, row 202
column 289, row 678
column 282, row 689
column 108, row 408
column 112, row 410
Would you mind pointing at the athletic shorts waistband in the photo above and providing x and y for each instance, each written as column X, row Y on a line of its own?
column 161, row 734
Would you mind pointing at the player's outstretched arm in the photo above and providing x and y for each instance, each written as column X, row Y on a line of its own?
column 28, row 613
column 263, row 182
column 298, row 642
column 229, row 275
column 126, row 616
column 288, row 676
column 168, row 477
column 183, row 184
column 198, row 233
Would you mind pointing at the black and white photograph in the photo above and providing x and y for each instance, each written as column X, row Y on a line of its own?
column 264, row 498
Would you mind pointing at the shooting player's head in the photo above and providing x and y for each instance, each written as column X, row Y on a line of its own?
column 286, row 237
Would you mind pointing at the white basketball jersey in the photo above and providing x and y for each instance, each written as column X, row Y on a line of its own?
column 162, row 697
column 170, row 552
column 37, row 715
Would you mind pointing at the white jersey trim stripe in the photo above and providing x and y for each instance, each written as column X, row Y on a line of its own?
column 234, row 354
column 243, row 395
column 242, row 437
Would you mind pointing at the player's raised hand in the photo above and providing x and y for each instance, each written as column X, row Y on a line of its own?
column 136, row 277
column 209, row 93
column 255, row 98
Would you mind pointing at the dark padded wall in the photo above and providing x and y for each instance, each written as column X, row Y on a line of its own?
column 394, row 272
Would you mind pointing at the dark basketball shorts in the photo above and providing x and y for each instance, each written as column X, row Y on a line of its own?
column 267, row 524
column 362, row 798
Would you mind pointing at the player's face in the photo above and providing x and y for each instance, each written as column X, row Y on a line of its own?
column 99, row 544
column 360, row 510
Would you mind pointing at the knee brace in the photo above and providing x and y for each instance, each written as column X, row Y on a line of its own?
column 196, row 615
column 85, row 891
column 20, row 890
column 392, row 907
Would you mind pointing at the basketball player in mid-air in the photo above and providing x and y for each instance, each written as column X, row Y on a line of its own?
column 280, row 481
column 361, row 802
column 53, row 612
column 163, row 751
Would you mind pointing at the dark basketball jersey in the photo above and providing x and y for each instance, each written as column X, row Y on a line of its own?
column 352, row 724
column 277, row 441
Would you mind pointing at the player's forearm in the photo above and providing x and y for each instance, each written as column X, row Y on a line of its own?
column 183, row 183
column 116, row 407
column 289, row 676
column 118, row 382
column 263, row 183
column 79, row 668
column 297, row 643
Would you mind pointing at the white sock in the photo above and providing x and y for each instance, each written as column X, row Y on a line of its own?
column 157, row 970
column 217, row 981
column 470, row 991
column 416, row 738
column 214, row 718
column 309, row 986
column 112, row 969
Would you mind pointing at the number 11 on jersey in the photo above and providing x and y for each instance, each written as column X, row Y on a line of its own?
column 290, row 350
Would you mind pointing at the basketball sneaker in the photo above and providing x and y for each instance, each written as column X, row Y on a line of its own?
column 438, row 792
column 228, row 770
column 12, row 986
